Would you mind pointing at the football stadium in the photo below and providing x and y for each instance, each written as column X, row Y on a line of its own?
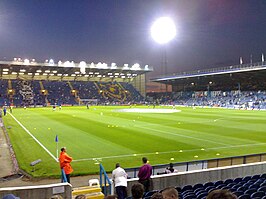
column 197, row 134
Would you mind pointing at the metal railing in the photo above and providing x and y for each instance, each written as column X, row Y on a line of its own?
column 202, row 164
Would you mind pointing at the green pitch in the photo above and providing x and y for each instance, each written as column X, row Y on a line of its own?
column 108, row 135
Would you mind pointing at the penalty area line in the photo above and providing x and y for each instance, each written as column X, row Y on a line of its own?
column 165, row 152
column 34, row 137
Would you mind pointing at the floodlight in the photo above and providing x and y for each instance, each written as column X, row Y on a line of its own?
column 5, row 73
column 14, row 73
column 38, row 71
column 44, row 74
column 29, row 73
column 51, row 62
column 37, row 74
column 22, row 70
column 125, row 66
column 59, row 63
column 5, row 69
column 163, row 30
column 26, row 61
column 59, row 74
column 54, row 71
column 146, row 67
column 47, row 71
column 15, row 59
column 113, row 64
column 21, row 73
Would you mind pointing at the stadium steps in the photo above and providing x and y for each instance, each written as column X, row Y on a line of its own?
column 41, row 85
column 91, row 192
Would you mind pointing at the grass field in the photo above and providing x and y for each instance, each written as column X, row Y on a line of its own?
column 108, row 135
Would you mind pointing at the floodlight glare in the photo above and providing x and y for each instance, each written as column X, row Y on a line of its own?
column 163, row 30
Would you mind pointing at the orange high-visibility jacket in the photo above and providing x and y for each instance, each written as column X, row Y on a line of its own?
column 65, row 160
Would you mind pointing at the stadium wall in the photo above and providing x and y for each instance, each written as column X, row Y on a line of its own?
column 40, row 192
column 181, row 179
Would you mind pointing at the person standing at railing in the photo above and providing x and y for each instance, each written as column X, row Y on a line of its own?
column 64, row 160
column 144, row 174
column 119, row 177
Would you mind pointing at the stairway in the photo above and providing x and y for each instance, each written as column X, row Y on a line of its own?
column 91, row 192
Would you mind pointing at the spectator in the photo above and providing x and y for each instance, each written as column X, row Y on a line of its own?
column 170, row 169
column 65, row 160
column 221, row 194
column 119, row 177
column 157, row 196
column 144, row 174
column 170, row 193
column 81, row 196
column 10, row 196
column 110, row 197
column 137, row 191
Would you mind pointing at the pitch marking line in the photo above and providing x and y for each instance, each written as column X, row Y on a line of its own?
column 34, row 138
column 165, row 152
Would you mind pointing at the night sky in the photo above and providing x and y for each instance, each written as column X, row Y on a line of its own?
column 211, row 33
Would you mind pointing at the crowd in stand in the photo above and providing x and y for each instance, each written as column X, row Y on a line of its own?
column 232, row 99
column 30, row 93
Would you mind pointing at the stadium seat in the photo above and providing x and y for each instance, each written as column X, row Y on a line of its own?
column 207, row 184
column 258, row 194
column 255, row 186
column 238, row 193
column 255, row 177
column 150, row 193
column 263, row 176
column 247, row 178
column 237, row 180
column 244, row 196
column 187, row 187
column 228, row 181
column 197, row 186
column 218, row 183
column 262, row 189
column 250, row 191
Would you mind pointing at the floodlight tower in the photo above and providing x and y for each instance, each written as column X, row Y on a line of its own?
column 163, row 30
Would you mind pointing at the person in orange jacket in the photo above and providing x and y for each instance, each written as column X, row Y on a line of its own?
column 64, row 161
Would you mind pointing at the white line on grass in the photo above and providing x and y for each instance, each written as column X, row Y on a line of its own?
column 165, row 152
column 186, row 136
column 34, row 138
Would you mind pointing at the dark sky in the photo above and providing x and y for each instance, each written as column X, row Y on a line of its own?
column 211, row 33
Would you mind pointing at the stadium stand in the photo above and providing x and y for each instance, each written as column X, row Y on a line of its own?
column 42, row 93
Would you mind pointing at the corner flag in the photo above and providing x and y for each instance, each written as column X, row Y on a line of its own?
column 56, row 138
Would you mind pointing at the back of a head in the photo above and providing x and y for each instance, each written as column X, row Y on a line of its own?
column 221, row 194
column 110, row 197
column 137, row 190
column 56, row 197
column 117, row 165
column 157, row 195
column 170, row 192
column 144, row 160
column 81, row 196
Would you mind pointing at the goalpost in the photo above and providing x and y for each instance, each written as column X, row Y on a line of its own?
column 88, row 101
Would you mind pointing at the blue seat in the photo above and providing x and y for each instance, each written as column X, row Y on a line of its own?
column 237, row 180
column 209, row 188
column 199, row 189
column 255, row 186
column 247, row 178
column 212, row 189
column 244, row 196
column 263, row 175
column 190, row 196
column 187, row 187
column 228, row 181
column 207, row 184
column 231, row 184
column 178, row 189
column 202, row 195
column 238, row 193
column 242, row 188
column 220, row 186
column 150, row 193
column 236, row 186
column 255, row 177
column 263, row 184
column 200, row 192
column 218, row 183
column 258, row 194
column 262, row 189
column 197, row 186
column 250, row 191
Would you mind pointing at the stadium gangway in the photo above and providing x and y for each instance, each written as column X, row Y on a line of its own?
column 106, row 186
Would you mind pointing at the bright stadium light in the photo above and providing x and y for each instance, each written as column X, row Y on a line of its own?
column 163, row 30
